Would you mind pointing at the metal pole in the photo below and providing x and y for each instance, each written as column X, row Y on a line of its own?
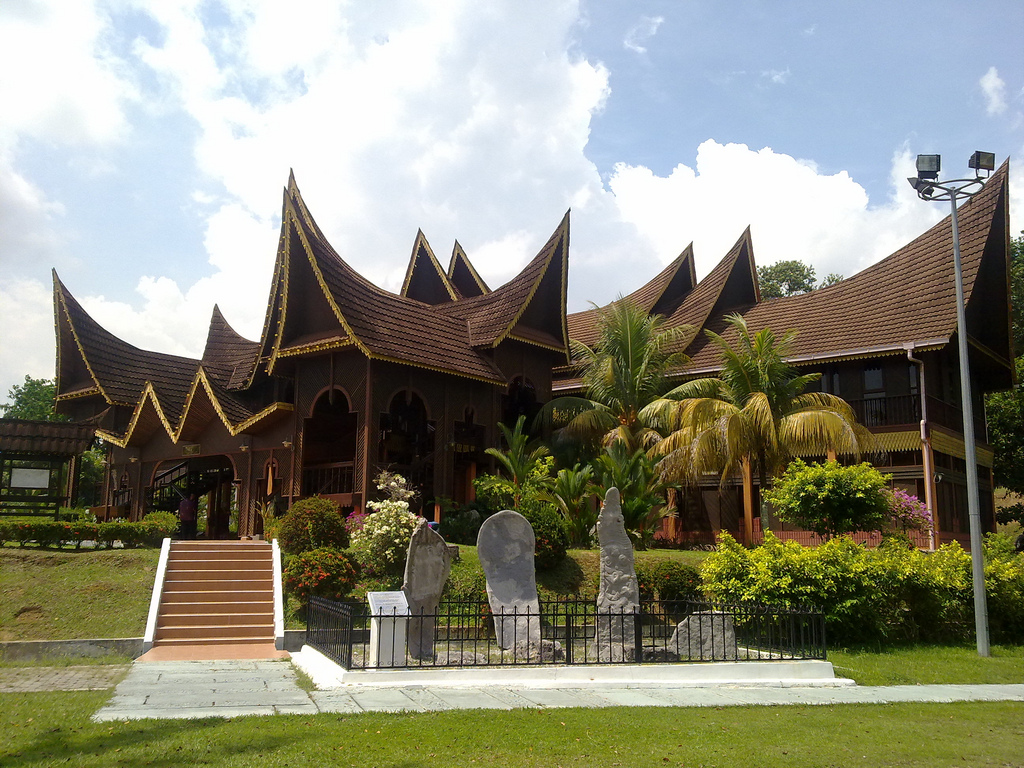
column 973, row 505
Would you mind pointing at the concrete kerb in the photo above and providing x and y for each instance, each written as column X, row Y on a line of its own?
column 327, row 675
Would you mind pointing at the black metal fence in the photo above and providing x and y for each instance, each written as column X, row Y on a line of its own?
column 463, row 634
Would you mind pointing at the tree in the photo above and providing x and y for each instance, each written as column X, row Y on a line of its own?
column 626, row 370
column 1005, row 410
column 790, row 277
column 32, row 400
column 755, row 415
column 641, row 489
column 518, row 462
column 831, row 499
column 571, row 494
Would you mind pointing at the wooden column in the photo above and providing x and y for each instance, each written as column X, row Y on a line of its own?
column 748, row 502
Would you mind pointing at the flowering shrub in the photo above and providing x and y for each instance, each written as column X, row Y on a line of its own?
column 310, row 524
column 383, row 540
column 355, row 521
column 324, row 572
column 908, row 512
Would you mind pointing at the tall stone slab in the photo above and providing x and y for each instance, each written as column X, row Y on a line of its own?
column 505, row 546
column 426, row 570
column 618, row 597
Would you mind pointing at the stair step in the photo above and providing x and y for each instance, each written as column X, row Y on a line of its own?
column 187, row 641
column 214, row 594
column 217, row 631
column 219, row 563
column 211, row 620
column 179, row 582
column 217, row 606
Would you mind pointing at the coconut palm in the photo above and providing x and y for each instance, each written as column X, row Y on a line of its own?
column 626, row 370
column 756, row 414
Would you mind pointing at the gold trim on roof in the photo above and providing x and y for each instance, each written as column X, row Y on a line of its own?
column 459, row 254
column 336, row 342
column 562, row 237
column 59, row 288
column 953, row 445
column 421, row 241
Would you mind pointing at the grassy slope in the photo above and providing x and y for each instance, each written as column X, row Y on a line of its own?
column 47, row 729
column 64, row 595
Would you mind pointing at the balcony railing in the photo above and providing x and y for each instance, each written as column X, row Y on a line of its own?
column 328, row 479
column 896, row 410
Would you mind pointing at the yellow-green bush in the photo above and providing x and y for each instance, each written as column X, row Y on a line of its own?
column 887, row 594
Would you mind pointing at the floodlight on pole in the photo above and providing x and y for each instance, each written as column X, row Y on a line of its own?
column 928, row 187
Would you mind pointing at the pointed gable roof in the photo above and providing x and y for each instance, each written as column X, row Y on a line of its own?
column 118, row 370
column 660, row 296
column 228, row 357
column 908, row 297
column 424, row 279
column 399, row 328
column 463, row 274
column 530, row 307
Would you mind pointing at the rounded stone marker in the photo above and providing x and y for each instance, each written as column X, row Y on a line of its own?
column 506, row 546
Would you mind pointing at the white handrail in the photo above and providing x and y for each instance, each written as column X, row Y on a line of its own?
column 158, row 590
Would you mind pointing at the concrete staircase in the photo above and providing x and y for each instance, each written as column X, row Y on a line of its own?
column 217, row 593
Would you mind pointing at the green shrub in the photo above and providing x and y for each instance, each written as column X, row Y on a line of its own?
column 324, row 572
column 668, row 580
column 5, row 532
column 887, row 594
column 84, row 531
column 312, row 523
column 831, row 499
column 162, row 525
column 549, row 530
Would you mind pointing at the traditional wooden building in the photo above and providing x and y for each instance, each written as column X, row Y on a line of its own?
column 883, row 339
column 346, row 379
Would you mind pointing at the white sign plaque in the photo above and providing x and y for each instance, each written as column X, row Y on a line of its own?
column 388, row 603
column 30, row 478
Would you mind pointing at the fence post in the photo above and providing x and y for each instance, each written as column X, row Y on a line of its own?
column 638, row 636
column 569, row 632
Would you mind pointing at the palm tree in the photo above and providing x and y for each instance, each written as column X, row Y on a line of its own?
column 518, row 462
column 756, row 414
column 626, row 370
column 571, row 493
column 641, row 488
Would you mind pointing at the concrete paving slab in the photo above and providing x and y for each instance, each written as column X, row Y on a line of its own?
column 335, row 701
column 385, row 700
column 553, row 697
column 475, row 698
column 629, row 697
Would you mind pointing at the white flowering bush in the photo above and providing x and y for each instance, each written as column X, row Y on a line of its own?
column 383, row 541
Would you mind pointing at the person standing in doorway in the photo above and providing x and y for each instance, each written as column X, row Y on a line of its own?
column 187, row 511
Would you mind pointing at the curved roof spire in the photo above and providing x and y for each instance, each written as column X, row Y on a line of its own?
column 425, row 280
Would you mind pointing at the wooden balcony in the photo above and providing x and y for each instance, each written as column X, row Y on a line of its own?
column 904, row 410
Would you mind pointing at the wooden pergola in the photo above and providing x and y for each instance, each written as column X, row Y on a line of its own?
column 39, row 464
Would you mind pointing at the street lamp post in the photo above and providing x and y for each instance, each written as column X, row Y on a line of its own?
column 928, row 187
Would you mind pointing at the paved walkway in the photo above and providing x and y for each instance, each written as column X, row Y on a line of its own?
column 85, row 678
column 234, row 688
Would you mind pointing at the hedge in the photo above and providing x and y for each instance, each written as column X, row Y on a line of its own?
column 48, row 533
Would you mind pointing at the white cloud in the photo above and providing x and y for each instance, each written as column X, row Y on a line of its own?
column 776, row 76
column 794, row 211
column 26, row 332
column 55, row 66
column 995, row 91
column 641, row 32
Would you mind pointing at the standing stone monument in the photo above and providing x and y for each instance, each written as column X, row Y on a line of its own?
column 426, row 571
column 705, row 636
column 505, row 546
column 618, row 597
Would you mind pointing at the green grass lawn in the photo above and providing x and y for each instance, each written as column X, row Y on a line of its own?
column 48, row 594
column 46, row 729
column 928, row 664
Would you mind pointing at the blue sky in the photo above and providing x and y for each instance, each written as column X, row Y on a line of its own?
column 143, row 146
